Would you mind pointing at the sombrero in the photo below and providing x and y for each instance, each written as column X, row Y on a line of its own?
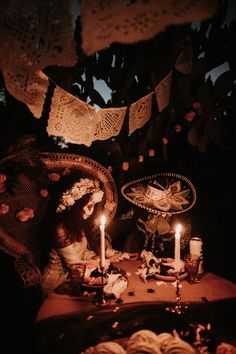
column 162, row 193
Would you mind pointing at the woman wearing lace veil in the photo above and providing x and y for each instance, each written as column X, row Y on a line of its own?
column 75, row 201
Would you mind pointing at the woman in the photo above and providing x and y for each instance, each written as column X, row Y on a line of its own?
column 72, row 227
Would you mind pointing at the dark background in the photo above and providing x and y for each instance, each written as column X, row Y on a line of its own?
column 208, row 160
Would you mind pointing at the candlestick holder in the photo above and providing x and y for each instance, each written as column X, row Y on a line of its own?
column 101, row 299
column 178, row 308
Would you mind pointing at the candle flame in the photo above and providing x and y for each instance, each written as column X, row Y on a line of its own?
column 103, row 220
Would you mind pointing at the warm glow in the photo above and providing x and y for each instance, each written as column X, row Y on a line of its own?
column 178, row 229
column 103, row 220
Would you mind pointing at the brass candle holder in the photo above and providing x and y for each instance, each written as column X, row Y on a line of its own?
column 101, row 300
column 178, row 308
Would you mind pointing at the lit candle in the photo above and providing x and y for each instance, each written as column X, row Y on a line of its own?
column 102, row 241
column 177, row 248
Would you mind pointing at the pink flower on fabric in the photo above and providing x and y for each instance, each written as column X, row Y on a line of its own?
column 54, row 176
column 2, row 181
column 2, row 188
column 4, row 209
column 2, row 178
column 25, row 214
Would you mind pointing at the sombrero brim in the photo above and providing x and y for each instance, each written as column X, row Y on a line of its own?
column 176, row 193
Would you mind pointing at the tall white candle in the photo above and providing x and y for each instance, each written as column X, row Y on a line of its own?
column 102, row 241
column 177, row 248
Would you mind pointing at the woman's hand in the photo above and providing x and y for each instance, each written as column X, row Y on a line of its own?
column 115, row 258
column 124, row 256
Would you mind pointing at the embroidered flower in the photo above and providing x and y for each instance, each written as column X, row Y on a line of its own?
column 4, row 209
column 2, row 188
column 2, row 178
column 54, row 176
column 2, row 182
column 77, row 191
column 109, row 205
column 66, row 171
column 25, row 214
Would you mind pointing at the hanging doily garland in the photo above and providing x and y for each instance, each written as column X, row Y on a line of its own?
column 43, row 35
column 106, row 22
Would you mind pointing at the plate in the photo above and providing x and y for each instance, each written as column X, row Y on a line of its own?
column 93, row 286
column 170, row 277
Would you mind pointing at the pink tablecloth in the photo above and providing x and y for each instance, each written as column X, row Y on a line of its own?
column 211, row 288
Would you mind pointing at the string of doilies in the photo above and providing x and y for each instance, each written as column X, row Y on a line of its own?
column 42, row 35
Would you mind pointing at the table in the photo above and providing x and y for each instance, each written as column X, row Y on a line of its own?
column 211, row 288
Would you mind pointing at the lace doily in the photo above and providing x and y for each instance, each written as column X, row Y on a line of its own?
column 162, row 91
column 140, row 112
column 106, row 22
column 28, row 88
column 110, row 124
column 71, row 118
column 42, row 33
